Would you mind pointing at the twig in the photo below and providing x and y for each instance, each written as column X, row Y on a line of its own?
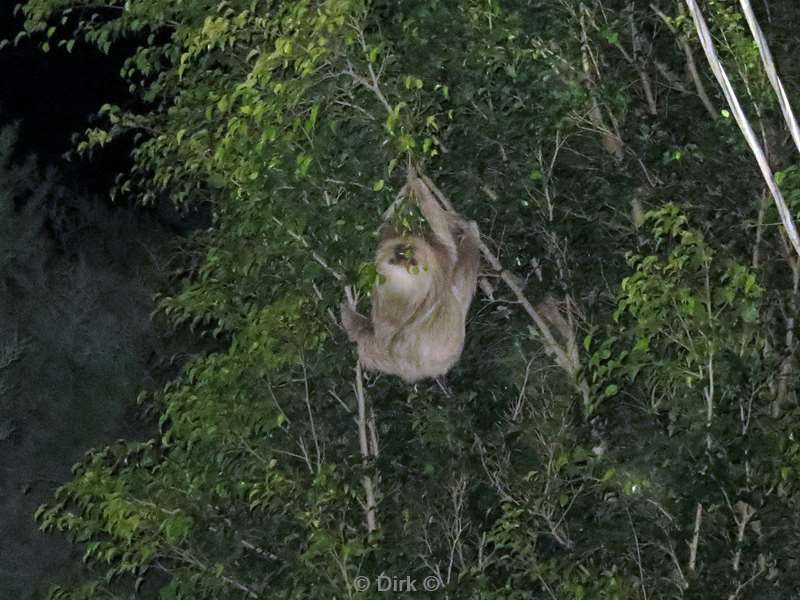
column 673, row 81
column 249, row 591
column 516, row 408
column 639, row 66
column 709, row 395
column 744, row 584
column 681, row 583
column 373, row 83
column 258, row 550
column 398, row 200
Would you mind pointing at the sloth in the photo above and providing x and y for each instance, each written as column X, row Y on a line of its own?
column 424, row 290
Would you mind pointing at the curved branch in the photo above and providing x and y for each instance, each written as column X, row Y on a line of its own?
column 562, row 356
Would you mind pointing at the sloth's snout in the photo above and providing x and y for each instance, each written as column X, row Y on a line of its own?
column 404, row 253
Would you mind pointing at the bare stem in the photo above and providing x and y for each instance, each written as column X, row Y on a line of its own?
column 691, row 65
column 762, row 209
column 366, row 481
column 311, row 419
column 638, row 555
column 742, row 513
column 698, row 519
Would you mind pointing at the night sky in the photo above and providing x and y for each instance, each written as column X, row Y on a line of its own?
column 54, row 95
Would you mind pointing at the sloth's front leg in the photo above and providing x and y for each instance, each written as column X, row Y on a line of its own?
column 440, row 222
column 355, row 324
column 371, row 353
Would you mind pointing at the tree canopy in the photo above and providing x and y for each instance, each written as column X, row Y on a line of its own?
column 636, row 441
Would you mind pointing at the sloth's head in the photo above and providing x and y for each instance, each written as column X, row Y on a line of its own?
column 407, row 266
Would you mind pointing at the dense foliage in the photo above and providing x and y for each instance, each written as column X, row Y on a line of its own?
column 656, row 459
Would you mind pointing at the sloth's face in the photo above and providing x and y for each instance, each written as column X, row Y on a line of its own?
column 405, row 264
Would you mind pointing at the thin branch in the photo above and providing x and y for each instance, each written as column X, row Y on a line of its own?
column 321, row 261
column 741, row 586
column 311, row 418
column 366, row 481
column 762, row 209
column 516, row 407
column 742, row 514
column 709, row 394
column 372, row 429
column 639, row 66
column 699, row 87
column 745, row 126
column 249, row 591
column 611, row 141
column 772, row 72
column 672, row 79
column 681, row 582
column 551, row 344
column 638, row 554
column 698, row 519
column 373, row 83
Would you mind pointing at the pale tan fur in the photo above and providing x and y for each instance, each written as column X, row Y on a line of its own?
column 416, row 328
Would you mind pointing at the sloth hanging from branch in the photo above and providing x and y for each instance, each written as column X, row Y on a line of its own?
column 426, row 285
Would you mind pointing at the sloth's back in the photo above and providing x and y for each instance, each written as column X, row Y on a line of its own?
column 428, row 348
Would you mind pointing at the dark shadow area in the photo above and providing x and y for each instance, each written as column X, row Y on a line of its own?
column 78, row 277
column 54, row 96
column 77, row 344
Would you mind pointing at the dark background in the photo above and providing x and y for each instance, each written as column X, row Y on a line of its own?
column 78, row 296
column 54, row 95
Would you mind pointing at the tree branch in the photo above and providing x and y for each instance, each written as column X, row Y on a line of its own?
column 699, row 87
column 772, row 72
column 562, row 356
column 745, row 126
column 698, row 519
column 366, row 481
